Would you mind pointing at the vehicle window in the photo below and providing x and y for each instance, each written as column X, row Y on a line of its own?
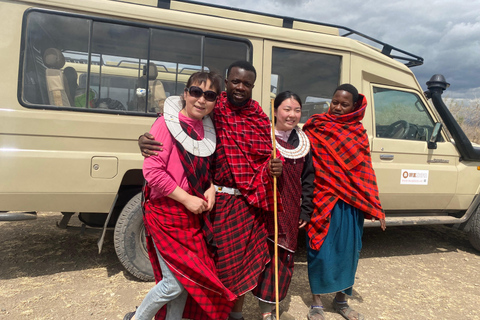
column 83, row 64
column 313, row 76
column 115, row 49
column 44, row 63
column 220, row 53
column 401, row 115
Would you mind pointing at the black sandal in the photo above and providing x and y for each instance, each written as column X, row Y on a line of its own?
column 129, row 316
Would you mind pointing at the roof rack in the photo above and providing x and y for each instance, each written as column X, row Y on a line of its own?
column 410, row 59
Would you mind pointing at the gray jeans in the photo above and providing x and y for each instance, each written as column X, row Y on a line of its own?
column 168, row 291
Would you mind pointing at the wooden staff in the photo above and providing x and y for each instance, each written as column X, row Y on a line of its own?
column 275, row 214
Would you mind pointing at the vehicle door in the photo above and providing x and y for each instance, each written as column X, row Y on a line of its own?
column 410, row 176
column 311, row 72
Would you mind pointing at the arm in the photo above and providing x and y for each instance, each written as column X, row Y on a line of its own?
column 308, row 177
column 155, row 166
column 210, row 196
column 166, row 179
column 192, row 203
column 148, row 145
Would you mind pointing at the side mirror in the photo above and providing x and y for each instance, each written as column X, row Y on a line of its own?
column 432, row 142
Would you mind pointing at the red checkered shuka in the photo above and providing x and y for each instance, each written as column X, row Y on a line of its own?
column 265, row 290
column 178, row 236
column 343, row 169
column 197, row 170
column 245, row 135
column 290, row 189
column 240, row 234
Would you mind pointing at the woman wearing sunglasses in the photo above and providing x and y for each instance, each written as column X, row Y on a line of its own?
column 177, row 193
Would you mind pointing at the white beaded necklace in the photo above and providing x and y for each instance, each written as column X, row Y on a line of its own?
column 200, row 148
column 300, row 151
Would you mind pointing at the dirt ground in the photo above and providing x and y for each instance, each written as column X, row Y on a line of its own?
column 404, row 273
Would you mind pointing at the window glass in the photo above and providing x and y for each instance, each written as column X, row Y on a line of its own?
column 118, row 73
column 313, row 76
column 118, row 55
column 48, row 75
column 401, row 115
column 176, row 55
column 220, row 53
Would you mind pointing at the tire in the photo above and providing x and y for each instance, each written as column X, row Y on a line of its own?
column 129, row 240
column 474, row 229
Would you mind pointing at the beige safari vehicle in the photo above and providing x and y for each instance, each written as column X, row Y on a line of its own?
column 81, row 80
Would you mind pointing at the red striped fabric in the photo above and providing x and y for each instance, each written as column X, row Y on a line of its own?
column 178, row 237
column 343, row 169
column 245, row 135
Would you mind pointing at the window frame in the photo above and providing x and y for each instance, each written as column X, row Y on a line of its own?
column 269, row 45
column 124, row 22
column 431, row 112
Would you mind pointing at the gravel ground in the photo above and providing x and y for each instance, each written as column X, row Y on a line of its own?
column 404, row 273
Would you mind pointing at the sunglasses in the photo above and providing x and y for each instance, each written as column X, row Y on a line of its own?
column 197, row 92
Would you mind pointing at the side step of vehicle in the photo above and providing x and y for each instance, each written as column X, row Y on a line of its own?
column 17, row 215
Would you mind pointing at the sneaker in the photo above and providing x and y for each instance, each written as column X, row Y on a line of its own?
column 129, row 316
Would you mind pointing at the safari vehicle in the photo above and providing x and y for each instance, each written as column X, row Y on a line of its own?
column 81, row 80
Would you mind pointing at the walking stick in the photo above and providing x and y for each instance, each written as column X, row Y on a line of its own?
column 275, row 215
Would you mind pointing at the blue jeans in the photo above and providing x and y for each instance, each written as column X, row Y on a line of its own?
column 168, row 291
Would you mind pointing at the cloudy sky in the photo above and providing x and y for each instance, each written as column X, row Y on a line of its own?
column 445, row 33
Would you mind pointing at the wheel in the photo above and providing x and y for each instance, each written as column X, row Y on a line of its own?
column 474, row 230
column 397, row 130
column 129, row 240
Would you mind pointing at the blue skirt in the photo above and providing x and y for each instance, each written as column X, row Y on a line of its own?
column 333, row 267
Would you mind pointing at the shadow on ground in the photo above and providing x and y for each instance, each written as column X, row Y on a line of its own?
column 38, row 247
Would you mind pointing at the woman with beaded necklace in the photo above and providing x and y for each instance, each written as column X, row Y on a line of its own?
column 295, row 187
column 177, row 193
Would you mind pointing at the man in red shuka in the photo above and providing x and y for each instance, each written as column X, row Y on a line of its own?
column 242, row 169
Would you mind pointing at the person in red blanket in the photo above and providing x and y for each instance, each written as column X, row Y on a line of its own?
column 242, row 173
column 345, row 193
column 177, row 193
column 296, row 187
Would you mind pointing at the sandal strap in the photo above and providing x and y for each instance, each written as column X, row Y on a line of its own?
column 344, row 310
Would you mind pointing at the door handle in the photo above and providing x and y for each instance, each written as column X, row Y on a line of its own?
column 386, row 157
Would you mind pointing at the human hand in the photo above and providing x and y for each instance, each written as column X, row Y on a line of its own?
column 195, row 204
column 301, row 223
column 148, row 145
column 210, row 196
column 276, row 167
column 383, row 224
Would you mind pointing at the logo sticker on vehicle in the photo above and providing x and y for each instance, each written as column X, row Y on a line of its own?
column 419, row 177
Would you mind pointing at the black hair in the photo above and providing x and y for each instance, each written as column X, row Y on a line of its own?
column 349, row 88
column 202, row 77
column 282, row 96
column 242, row 64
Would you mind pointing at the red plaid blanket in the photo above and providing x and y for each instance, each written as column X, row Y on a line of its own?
column 343, row 169
column 242, row 251
column 290, row 189
column 179, row 238
column 245, row 134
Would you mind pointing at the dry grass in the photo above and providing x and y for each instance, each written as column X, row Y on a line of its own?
column 467, row 114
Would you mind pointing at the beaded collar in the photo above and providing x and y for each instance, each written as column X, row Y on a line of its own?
column 200, row 148
column 300, row 151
